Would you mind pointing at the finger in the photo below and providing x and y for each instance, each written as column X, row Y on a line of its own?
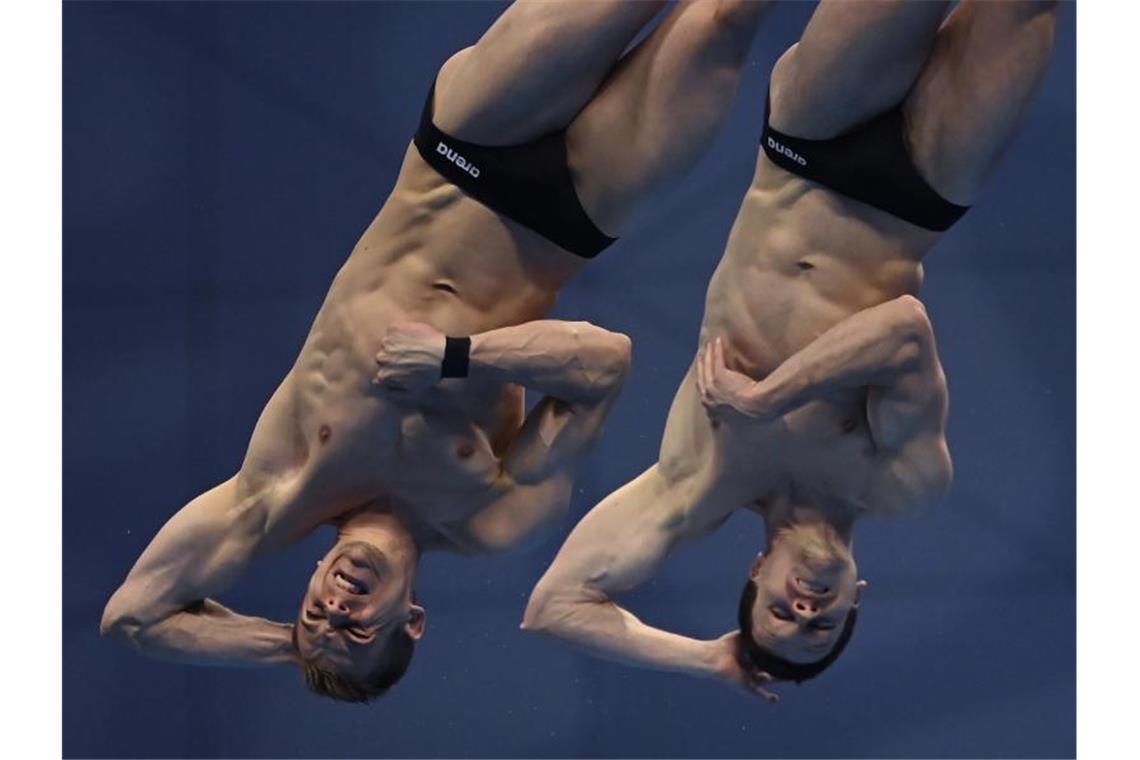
column 389, row 382
column 706, row 359
column 762, row 678
column 699, row 375
column 718, row 357
column 773, row 699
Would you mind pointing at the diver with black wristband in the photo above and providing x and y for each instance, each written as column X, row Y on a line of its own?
column 536, row 146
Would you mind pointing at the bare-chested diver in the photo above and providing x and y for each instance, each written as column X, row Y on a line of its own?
column 816, row 396
column 473, row 241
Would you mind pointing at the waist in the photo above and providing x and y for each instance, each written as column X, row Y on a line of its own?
column 772, row 294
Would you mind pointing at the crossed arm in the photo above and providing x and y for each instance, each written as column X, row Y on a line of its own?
column 888, row 349
column 579, row 369
column 165, row 607
column 623, row 540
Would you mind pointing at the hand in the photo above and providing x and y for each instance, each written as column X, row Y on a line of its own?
column 724, row 392
column 410, row 357
column 727, row 668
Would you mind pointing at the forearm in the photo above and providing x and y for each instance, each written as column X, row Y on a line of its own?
column 569, row 361
column 207, row 634
column 870, row 347
column 606, row 630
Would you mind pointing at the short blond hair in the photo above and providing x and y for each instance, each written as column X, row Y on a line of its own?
column 329, row 683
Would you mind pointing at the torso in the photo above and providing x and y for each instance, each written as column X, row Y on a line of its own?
column 799, row 259
column 433, row 255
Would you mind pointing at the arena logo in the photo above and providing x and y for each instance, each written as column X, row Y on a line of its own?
column 785, row 150
column 457, row 159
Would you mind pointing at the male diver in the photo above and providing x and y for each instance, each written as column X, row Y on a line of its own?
column 535, row 147
column 816, row 396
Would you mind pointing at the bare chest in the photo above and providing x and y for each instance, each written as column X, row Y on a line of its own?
column 821, row 452
column 828, row 449
column 443, row 468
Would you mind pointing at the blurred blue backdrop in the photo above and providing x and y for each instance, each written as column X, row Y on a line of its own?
column 220, row 161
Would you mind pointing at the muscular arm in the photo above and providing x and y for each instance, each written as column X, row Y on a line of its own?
column 617, row 546
column 888, row 349
column 164, row 607
column 580, row 369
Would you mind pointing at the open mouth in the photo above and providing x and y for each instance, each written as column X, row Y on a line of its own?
column 812, row 586
column 349, row 584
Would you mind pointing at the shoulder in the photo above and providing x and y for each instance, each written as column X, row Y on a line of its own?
column 912, row 479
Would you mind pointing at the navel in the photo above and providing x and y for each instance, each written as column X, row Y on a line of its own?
column 324, row 433
column 849, row 425
column 805, row 265
column 465, row 450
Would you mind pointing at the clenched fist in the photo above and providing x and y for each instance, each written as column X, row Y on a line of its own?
column 410, row 357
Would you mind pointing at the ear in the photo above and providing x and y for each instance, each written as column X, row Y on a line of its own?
column 415, row 623
column 859, row 586
column 756, row 563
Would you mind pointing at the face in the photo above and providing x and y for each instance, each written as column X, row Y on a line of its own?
column 806, row 585
column 355, row 600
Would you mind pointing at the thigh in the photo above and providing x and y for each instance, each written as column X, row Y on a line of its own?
column 661, row 108
column 972, row 95
column 853, row 61
column 535, row 68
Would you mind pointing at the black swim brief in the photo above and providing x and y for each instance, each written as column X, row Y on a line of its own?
column 869, row 163
column 529, row 183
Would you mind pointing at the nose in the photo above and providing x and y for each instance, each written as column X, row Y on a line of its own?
column 336, row 611
column 806, row 607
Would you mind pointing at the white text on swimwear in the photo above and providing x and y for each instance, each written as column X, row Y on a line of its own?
column 780, row 148
column 457, row 159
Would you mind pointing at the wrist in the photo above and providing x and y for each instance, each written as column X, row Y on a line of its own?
column 281, row 645
column 709, row 660
column 758, row 401
column 456, row 357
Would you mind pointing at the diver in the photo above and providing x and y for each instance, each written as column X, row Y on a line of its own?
column 816, row 396
column 402, row 420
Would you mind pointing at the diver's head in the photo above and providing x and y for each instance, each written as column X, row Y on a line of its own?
column 359, row 621
column 800, row 603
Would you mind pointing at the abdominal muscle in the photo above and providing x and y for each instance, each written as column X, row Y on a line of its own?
column 799, row 260
column 431, row 255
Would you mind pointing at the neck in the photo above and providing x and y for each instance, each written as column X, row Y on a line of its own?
column 837, row 520
column 383, row 530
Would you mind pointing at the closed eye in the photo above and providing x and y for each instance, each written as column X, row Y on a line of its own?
column 358, row 635
column 779, row 613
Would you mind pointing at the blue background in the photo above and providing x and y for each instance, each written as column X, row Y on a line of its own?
column 219, row 163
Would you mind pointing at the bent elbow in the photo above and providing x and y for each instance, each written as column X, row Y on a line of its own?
column 114, row 625
column 911, row 325
column 616, row 359
column 534, row 615
column 539, row 616
column 943, row 476
column 118, row 621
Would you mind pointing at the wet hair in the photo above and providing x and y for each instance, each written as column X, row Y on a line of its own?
column 780, row 669
column 329, row 683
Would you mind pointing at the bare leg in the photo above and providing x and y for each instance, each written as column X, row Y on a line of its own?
column 661, row 108
column 969, row 101
column 535, row 68
column 854, row 61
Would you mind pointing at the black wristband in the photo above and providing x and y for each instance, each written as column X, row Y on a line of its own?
column 456, row 357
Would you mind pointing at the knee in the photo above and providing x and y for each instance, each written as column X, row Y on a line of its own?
column 731, row 21
column 739, row 14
